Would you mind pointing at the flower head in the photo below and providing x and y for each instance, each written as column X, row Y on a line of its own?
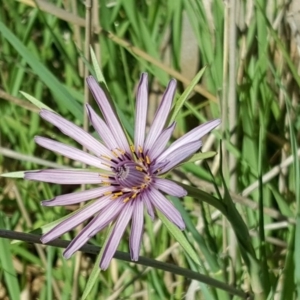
column 129, row 175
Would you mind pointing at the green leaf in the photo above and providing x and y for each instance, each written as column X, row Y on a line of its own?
column 7, row 267
column 93, row 277
column 97, row 68
column 179, row 236
column 35, row 101
column 181, row 100
column 96, row 269
column 62, row 95
column 201, row 156
column 19, row 174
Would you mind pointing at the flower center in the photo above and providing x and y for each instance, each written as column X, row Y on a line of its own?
column 131, row 175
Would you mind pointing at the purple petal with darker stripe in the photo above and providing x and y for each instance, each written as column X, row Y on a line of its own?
column 108, row 114
column 169, row 187
column 161, row 142
column 136, row 229
column 165, row 206
column 64, row 176
column 97, row 224
column 75, row 132
column 70, row 152
column 116, row 235
column 161, row 115
column 177, row 156
column 76, row 219
column 102, row 129
column 193, row 135
column 78, row 197
column 141, row 112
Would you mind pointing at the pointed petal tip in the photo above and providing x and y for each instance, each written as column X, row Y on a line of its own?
column 47, row 202
column 173, row 81
column 44, row 239
column 42, row 110
column 181, row 226
column 90, row 78
column 217, row 121
column 184, row 193
column 92, row 82
column 45, row 112
column 211, row 125
column 144, row 76
column 67, row 254
column 102, row 266
column 134, row 258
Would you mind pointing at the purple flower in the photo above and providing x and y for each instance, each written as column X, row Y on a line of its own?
column 129, row 176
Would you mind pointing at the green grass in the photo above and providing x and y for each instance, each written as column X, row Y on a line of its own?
column 42, row 53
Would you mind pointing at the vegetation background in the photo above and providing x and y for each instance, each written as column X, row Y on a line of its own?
column 251, row 50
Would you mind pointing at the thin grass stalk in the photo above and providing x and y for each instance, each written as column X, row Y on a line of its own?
column 87, row 43
column 77, row 37
column 232, row 124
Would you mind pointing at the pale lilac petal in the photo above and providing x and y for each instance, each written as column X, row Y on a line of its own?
column 193, row 135
column 99, row 222
column 102, row 129
column 70, row 152
column 145, row 198
column 75, row 132
column 169, row 187
column 161, row 115
column 136, row 229
column 77, row 197
column 141, row 112
column 116, row 235
column 111, row 213
column 177, row 156
column 165, row 206
column 161, row 142
column 108, row 114
column 64, row 176
column 76, row 219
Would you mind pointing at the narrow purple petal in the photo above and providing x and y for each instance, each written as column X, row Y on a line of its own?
column 116, row 235
column 161, row 115
column 193, row 135
column 165, row 206
column 177, row 156
column 110, row 214
column 97, row 224
column 108, row 114
column 136, row 229
column 145, row 198
column 70, row 152
column 76, row 219
column 77, row 197
column 141, row 112
column 102, row 129
column 75, row 132
column 64, row 176
column 161, row 142
column 169, row 187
